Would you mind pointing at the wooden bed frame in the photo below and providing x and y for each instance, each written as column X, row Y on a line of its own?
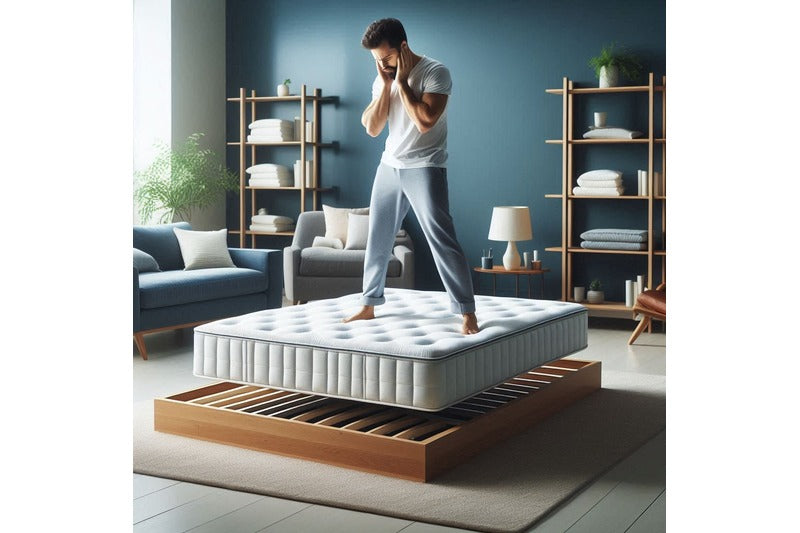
column 393, row 441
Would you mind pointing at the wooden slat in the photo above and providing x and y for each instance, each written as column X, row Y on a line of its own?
column 282, row 406
column 330, row 407
column 433, row 426
column 378, row 418
column 274, row 400
column 397, row 425
column 204, row 391
column 313, row 403
column 262, row 398
column 507, row 386
column 236, row 400
column 350, row 414
column 242, row 389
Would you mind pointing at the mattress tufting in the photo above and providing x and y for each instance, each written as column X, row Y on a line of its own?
column 412, row 354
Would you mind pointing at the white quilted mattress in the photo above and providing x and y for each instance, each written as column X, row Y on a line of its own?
column 412, row 354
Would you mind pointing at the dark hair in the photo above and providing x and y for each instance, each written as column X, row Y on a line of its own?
column 389, row 30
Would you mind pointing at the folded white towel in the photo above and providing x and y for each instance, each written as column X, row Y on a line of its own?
column 267, row 167
column 598, row 191
column 271, row 228
column 270, row 138
column 327, row 242
column 611, row 133
column 272, row 219
column 600, row 183
column 272, row 177
column 270, row 183
column 272, row 122
column 601, row 174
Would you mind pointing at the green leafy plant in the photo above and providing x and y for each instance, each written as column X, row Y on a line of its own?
column 627, row 63
column 181, row 179
column 287, row 81
column 595, row 285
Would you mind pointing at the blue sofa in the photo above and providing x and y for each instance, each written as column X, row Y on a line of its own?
column 171, row 297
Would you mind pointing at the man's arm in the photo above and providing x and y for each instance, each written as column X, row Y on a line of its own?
column 426, row 109
column 377, row 112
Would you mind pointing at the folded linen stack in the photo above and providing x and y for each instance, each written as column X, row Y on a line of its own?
column 603, row 182
column 614, row 239
column 271, row 223
column 270, row 175
column 611, row 132
column 271, row 130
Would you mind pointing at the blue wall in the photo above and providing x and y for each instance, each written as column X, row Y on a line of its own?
column 502, row 55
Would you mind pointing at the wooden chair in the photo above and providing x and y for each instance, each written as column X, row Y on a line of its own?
column 651, row 304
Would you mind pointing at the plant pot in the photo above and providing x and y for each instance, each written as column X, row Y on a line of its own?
column 609, row 76
column 283, row 90
column 595, row 297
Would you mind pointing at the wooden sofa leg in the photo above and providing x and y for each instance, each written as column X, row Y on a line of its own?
column 139, row 339
column 638, row 331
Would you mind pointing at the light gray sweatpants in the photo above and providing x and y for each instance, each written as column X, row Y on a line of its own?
column 425, row 191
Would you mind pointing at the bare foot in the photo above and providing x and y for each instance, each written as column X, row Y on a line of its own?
column 470, row 325
column 367, row 313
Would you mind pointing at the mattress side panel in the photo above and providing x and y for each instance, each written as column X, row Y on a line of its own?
column 420, row 384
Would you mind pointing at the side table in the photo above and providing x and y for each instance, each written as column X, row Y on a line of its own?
column 499, row 270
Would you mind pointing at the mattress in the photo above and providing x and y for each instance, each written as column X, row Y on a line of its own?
column 412, row 354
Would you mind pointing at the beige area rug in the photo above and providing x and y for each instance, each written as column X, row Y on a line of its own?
column 506, row 488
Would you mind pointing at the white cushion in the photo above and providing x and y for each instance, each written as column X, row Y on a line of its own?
column 325, row 242
column 336, row 220
column 357, row 231
column 204, row 249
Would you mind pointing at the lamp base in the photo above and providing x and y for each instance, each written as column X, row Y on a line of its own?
column 511, row 260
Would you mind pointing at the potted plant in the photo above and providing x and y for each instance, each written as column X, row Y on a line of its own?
column 595, row 294
column 611, row 62
column 283, row 88
column 181, row 179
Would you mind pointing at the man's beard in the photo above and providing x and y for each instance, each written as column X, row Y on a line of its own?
column 392, row 73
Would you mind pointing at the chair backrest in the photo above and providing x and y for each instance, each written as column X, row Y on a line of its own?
column 160, row 242
column 310, row 224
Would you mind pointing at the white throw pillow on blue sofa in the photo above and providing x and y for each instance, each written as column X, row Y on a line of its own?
column 204, row 249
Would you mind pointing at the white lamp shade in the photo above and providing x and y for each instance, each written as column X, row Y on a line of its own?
column 510, row 223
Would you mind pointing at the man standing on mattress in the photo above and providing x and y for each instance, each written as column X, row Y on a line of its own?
column 410, row 94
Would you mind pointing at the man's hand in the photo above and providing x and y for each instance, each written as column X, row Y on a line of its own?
column 387, row 80
column 404, row 62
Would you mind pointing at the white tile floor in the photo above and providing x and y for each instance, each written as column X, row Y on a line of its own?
column 629, row 498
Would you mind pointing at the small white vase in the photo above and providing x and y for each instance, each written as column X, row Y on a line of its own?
column 609, row 76
column 283, row 90
column 595, row 297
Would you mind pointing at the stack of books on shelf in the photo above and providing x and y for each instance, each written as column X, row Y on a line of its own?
column 614, row 239
column 269, row 175
column 602, row 182
column 271, row 130
column 644, row 184
column 271, row 223
column 298, row 175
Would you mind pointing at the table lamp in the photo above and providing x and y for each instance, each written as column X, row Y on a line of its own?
column 511, row 223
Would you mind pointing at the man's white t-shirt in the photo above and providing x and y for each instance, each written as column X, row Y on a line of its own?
column 406, row 147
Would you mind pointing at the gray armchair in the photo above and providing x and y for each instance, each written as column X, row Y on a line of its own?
column 316, row 273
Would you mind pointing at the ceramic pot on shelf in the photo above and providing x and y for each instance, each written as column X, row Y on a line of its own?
column 609, row 76
column 595, row 297
column 283, row 90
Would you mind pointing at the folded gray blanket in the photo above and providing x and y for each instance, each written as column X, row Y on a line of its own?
column 615, row 235
column 608, row 245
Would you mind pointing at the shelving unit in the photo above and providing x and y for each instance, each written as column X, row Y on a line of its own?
column 568, row 248
column 245, row 208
